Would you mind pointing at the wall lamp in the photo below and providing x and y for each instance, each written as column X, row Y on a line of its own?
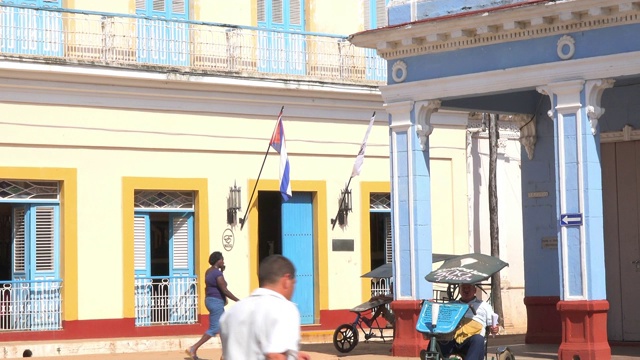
column 344, row 207
column 233, row 204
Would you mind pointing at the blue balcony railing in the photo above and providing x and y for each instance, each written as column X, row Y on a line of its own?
column 30, row 305
column 166, row 300
column 134, row 41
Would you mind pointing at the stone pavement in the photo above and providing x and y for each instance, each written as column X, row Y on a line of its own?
column 325, row 351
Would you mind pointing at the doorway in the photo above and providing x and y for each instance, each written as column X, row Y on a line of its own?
column 621, row 210
column 287, row 228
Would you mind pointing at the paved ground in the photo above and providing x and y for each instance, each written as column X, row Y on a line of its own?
column 367, row 351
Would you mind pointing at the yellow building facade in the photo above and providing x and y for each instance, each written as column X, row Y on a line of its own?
column 121, row 147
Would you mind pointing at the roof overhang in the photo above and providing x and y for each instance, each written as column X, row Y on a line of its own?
column 497, row 25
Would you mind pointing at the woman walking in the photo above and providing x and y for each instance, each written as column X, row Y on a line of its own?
column 216, row 293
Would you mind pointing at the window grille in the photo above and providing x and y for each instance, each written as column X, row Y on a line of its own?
column 163, row 199
column 24, row 189
column 380, row 201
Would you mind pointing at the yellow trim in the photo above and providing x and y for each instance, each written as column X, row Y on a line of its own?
column 201, row 229
column 68, row 179
column 366, row 188
column 319, row 188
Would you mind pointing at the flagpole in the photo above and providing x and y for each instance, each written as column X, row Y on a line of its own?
column 354, row 172
column 344, row 194
column 242, row 221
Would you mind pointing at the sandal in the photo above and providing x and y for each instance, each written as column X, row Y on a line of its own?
column 191, row 355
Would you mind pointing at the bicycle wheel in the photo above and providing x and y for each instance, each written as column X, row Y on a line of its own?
column 345, row 338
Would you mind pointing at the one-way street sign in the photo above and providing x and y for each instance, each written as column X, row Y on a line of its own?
column 570, row 219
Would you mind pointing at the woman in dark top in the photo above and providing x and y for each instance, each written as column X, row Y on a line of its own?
column 216, row 293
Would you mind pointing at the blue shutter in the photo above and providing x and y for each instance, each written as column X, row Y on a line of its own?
column 160, row 41
column 45, row 296
column 142, row 269
column 298, row 245
column 182, row 285
column 283, row 53
column 33, row 32
column 181, row 244
column 35, row 263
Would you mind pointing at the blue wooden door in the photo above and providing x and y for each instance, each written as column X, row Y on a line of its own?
column 298, row 246
column 30, row 31
column 160, row 40
column 281, row 52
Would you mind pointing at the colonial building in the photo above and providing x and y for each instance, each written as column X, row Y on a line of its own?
column 563, row 63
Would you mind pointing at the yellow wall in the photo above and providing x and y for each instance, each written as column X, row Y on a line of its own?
column 241, row 13
column 112, row 6
column 449, row 209
column 116, row 151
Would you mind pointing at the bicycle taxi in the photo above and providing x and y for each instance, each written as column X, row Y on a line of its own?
column 373, row 317
column 439, row 321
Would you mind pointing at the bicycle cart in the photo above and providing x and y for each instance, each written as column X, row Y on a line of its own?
column 346, row 336
column 438, row 321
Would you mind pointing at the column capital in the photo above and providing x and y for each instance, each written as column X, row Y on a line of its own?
column 400, row 114
column 424, row 110
column 567, row 95
column 593, row 94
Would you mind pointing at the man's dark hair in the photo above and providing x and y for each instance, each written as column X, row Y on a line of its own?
column 274, row 267
column 214, row 257
column 27, row 353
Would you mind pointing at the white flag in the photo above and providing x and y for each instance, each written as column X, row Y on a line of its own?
column 357, row 166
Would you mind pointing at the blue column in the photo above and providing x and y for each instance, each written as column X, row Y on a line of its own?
column 411, row 197
column 575, row 110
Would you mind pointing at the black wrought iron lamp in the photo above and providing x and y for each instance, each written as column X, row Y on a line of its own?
column 344, row 207
column 233, row 204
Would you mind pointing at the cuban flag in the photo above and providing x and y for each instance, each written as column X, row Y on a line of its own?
column 278, row 144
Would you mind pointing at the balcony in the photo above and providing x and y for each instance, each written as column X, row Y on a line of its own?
column 65, row 36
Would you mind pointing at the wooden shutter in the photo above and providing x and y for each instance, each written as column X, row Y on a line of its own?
column 262, row 13
column 295, row 12
column 45, row 239
column 140, row 242
column 276, row 12
column 178, row 7
column 181, row 244
column 158, row 6
column 381, row 13
column 367, row 14
column 19, row 243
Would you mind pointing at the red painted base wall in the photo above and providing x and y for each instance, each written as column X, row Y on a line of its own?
column 125, row 328
column 543, row 320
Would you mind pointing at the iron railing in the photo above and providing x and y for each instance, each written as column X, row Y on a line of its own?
column 133, row 41
column 166, row 300
column 30, row 305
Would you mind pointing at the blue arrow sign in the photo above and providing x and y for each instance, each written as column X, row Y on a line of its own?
column 570, row 219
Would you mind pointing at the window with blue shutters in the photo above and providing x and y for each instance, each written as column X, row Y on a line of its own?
column 30, row 281
column 27, row 28
column 165, row 281
column 161, row 39
column 375, row 16
column 282, row 52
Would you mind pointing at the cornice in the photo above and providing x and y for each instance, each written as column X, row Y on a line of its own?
column 492, row 27
column 628, row 133
column 526, row 77
column 126, row 89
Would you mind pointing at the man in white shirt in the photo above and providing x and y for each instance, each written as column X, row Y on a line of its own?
column 265, row 325
column 481, row 314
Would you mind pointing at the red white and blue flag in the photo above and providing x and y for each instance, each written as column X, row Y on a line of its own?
column 278, row 144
